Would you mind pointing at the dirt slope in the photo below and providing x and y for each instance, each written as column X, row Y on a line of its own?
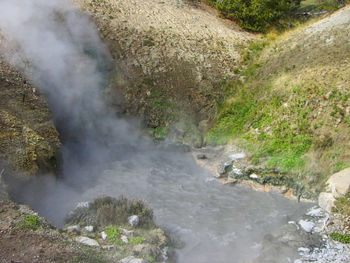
column 171, row 57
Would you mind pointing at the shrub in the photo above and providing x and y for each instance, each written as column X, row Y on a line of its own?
column 136, row 240
column 107, row 210
column 341, row 238
column 255, row 15
column 29, row 222
column 113, row 234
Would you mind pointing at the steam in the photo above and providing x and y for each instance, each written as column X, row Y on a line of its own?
column 59, row 50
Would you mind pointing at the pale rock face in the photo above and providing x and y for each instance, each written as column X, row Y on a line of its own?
column 339, row 183
column 87, row 241
column 326, row 201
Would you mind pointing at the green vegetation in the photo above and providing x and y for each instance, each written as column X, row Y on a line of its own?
column 342, row 205
column 109, row 211
column 113, row 235
column 341, row 238
column 256, row 15
column 29, row 222
column 136, row 240
column 251, row 112
column 283, row 112
column 261, row 15
column 151, row 259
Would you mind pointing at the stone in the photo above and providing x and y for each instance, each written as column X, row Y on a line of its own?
column 326, row 201
column 87, row 241
column 315, row 212
column 124, row 239
column 89, row 228
column 304, row 250
column 339, row 183
column 126, row 232
column 132, row 259
column 133, row 220
column 73, row 228
column 103, row 235
column 201, row 156
column 306, row 225
column 253, row 176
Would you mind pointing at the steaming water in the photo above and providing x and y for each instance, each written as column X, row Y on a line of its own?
column 217, row 223
column 103, row 155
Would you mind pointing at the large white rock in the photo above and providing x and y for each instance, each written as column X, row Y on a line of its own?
column 339, row 183
column 87, row 241
column 326, row 201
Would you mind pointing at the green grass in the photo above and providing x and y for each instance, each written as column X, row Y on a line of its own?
column 136, row 240
column 342, row 205
column 341, row 238
column 252, row 111
column 29, row 222
column 113, row 235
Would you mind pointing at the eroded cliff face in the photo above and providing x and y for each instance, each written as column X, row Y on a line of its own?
column 29, row 142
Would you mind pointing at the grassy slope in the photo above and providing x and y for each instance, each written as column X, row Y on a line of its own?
column 292, row 109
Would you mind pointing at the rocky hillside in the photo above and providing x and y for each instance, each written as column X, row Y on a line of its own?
column 171, row 58
column 291, row 107
column 29, row 142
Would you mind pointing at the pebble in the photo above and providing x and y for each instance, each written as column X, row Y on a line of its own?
column 133, row 220
column 124, row 239
column 103, row 235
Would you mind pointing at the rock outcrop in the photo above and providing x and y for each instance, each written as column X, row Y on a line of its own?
column 338, row 185
column 29, row 142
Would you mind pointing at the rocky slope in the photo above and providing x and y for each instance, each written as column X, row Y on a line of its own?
column 171, row 57
column 29, row 142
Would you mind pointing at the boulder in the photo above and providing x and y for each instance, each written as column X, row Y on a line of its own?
column 87, row 241
column 339, row 183
column 326, row 201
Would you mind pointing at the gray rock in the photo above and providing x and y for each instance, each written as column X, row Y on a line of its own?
column 124, row 239
column 315, row 212
column 306, row 225
column 133, row 220
column 89, row 228
column 201, row 156
column 87, row 241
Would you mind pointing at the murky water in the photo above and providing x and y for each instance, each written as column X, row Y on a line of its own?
column 217, row 223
